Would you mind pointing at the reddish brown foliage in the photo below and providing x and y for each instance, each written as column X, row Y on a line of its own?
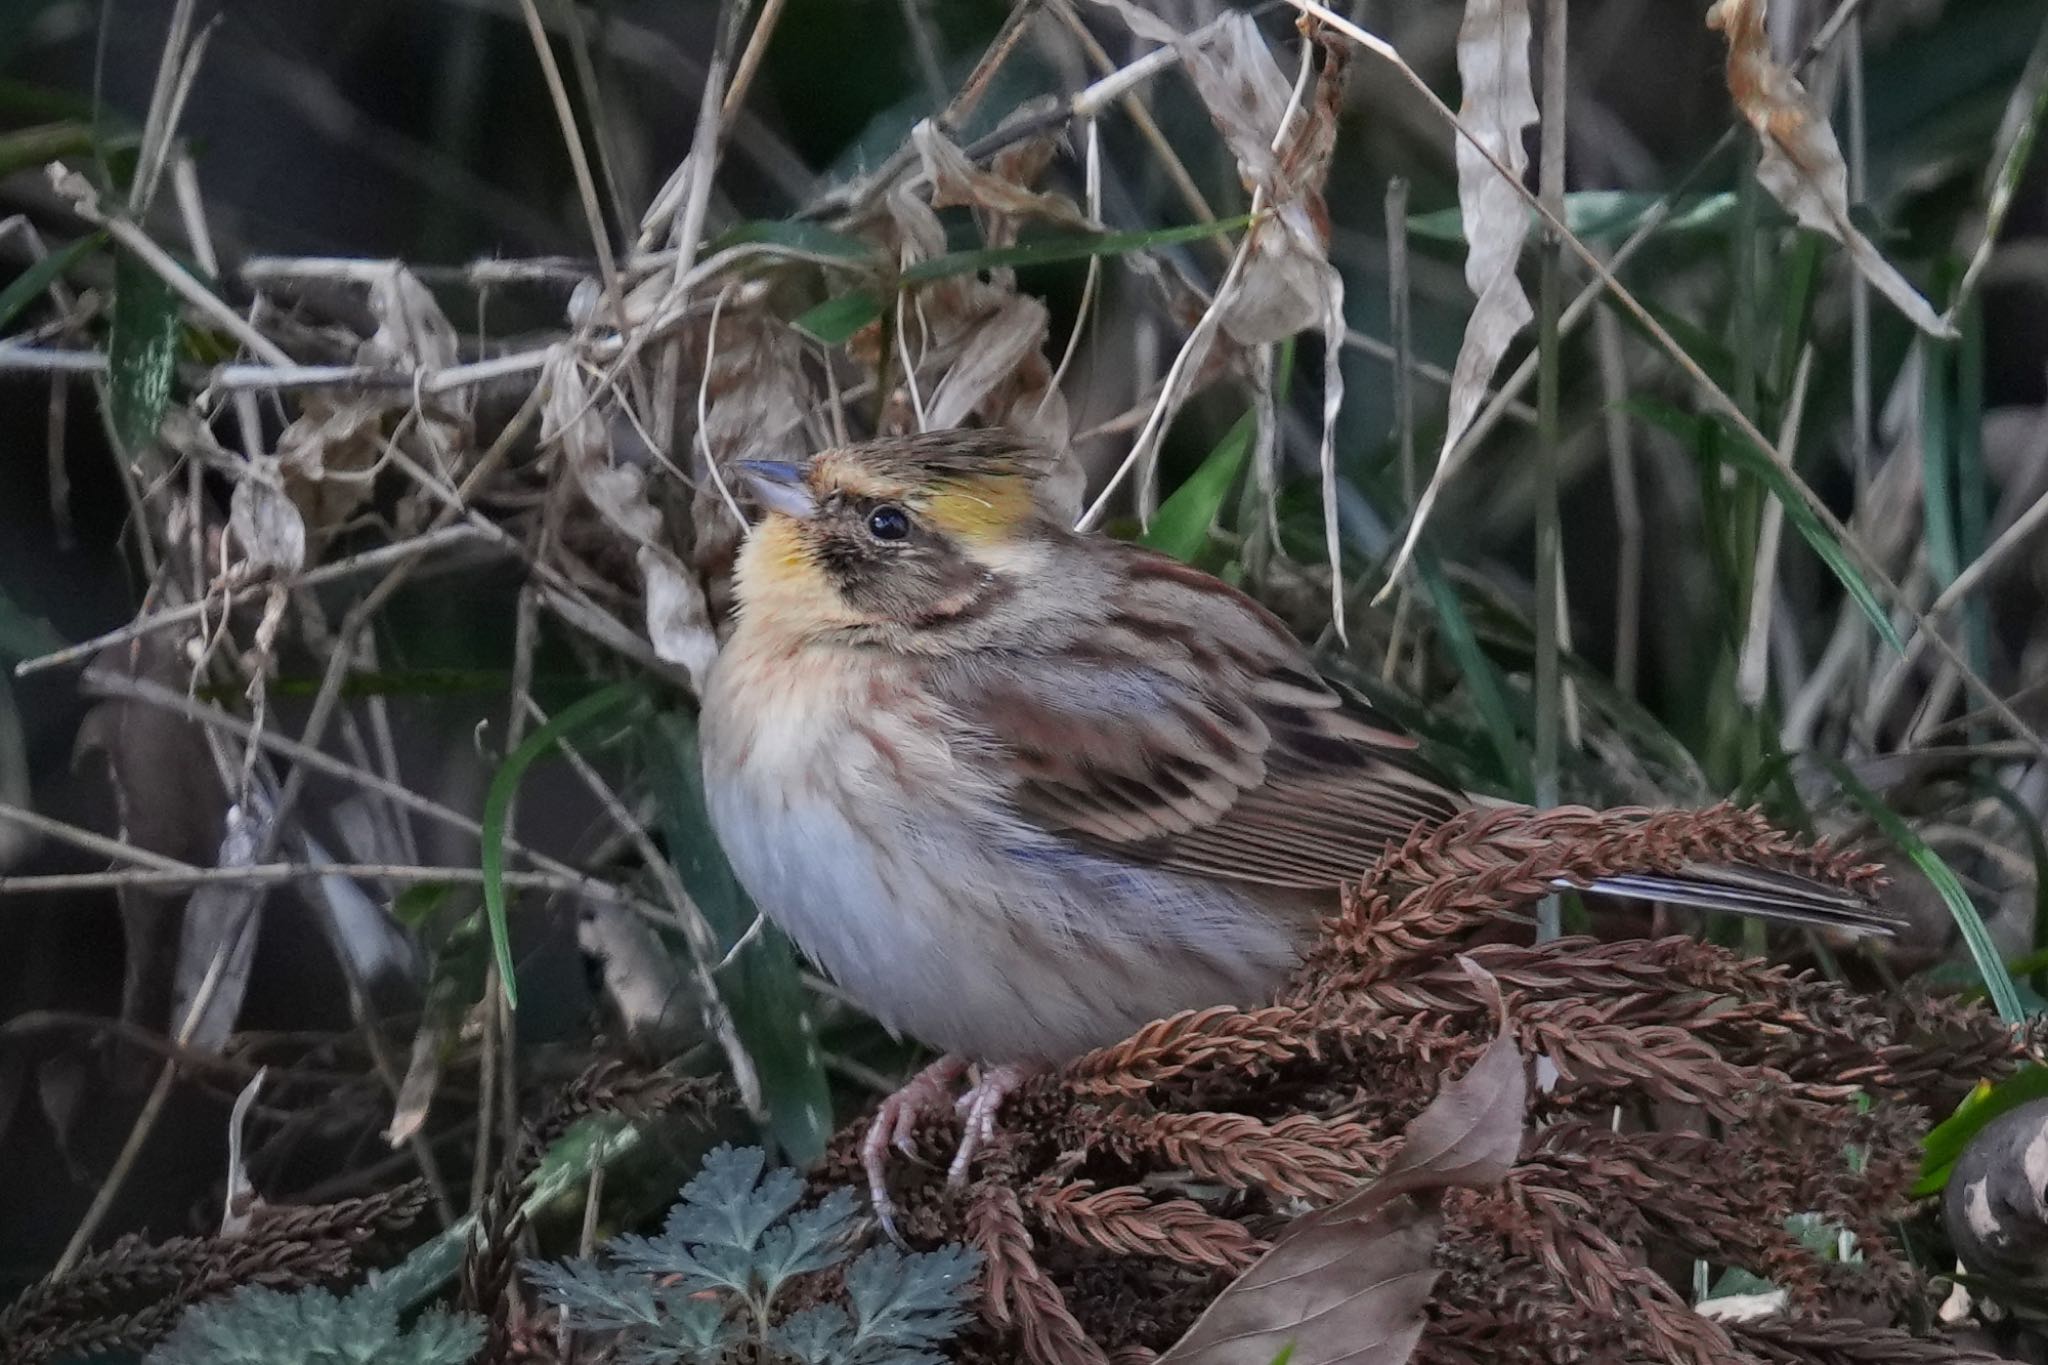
column 1701, row 1099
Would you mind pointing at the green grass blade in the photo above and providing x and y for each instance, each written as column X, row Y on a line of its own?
column 1181, row 526
column 1489, row 690
column 1946, row 1141
column 498, row 804
column 1687, row 427
column 806, row 239
column 142, row 352
column 761, row 984
column 23, row 288
column 835, row 320
column 1998, row 982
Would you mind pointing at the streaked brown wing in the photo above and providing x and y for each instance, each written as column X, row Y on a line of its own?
column 1189, row 730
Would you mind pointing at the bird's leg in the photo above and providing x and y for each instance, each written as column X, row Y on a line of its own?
column 978, row 1108
column 930, row 1091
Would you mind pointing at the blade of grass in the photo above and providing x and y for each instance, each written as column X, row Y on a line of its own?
column 1741, row 453
column 142, row 351
column 835, row 320
column 807, row 238
column 2037, row 844
column 1946, row 1141
column 1181, row 527
column 498, row 800
column 23, row 288
column 1998, row 983
column 1489, row 689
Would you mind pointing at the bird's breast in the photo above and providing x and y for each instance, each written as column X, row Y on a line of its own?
column 869, row 823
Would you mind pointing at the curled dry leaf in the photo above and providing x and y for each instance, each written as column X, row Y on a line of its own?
column 328, row 457
column 1283, row 282
column 978, row 345
column 1350, row 1282
column 639, row 976
column 330, row 453
column 1801, row 163
column 757, row 401
column 265, row 521
column 1499, row 103
column 217, row 942
column 955, row 180
column 678, row 620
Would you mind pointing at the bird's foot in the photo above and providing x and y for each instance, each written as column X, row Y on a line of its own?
column 895, row 1124
column 978, row 1109
column 929, row 1093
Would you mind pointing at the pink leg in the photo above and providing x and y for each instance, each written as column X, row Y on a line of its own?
column 978, row 1108
column 930, row 1091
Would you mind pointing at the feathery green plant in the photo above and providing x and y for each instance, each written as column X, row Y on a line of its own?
column 708, row 1288
column 258, row 1326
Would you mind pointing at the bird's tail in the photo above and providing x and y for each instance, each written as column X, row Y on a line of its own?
column 1766, row 894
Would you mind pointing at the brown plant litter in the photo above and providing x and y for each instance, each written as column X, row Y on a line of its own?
column 1697, row 1106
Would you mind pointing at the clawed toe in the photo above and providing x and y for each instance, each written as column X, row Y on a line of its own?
column 895, row 1125
column 978, row 1110
column 897, row 1121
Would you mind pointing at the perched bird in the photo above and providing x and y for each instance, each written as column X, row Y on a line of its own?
column 1021, row 790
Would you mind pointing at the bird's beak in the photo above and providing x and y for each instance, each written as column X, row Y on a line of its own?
column 779, row 487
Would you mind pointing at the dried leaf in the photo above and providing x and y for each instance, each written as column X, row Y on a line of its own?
column 955, row 180
column 677, row 617
column 241, row 1202
column 412, row 331
column 266, row 523
column 1801, row 163
column 1499, row 102
column 994, row 351
column 1349, row 1283
column 422, row 1079
column 217, row 942
column 640, row 977
column 167, row 798
column 328, row 457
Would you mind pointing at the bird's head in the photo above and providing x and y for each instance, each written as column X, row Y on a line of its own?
column 896, row 538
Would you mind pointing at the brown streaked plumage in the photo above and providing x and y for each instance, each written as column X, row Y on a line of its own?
column 1021, row 790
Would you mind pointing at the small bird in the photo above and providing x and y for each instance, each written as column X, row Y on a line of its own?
column 1021, row 790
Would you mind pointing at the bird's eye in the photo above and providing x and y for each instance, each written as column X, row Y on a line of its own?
column 888, row 522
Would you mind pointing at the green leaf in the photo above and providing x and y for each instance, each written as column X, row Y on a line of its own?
column 761, row 983
column 23, row 288
column 1692, row 430
column 1181, row 527
column 415, row 905
column 1489, row 690
column 1053, row 250
column 142, row 353
column 791, row 234
column 498, row 804
column 593, row 1143
column 1948, row 1138
column 1998, row 983
column 36, row 146
column 835, row 320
